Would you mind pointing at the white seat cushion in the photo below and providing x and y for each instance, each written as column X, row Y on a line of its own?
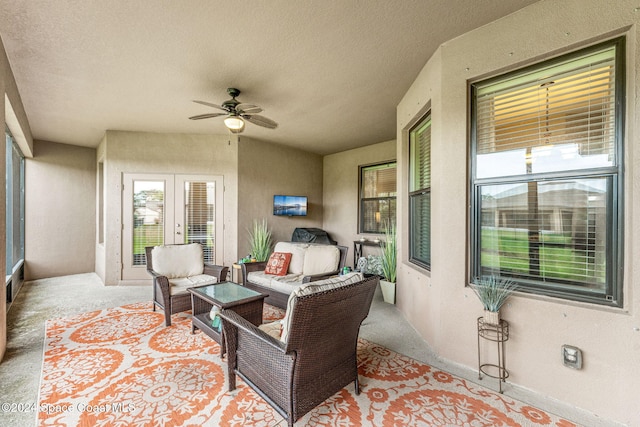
column 260, row 278
column 273, row 328
column 180, row 284
column 178, row 260
column 320, row 259
column 280, row 283
column 286, row 284
column 311, row 288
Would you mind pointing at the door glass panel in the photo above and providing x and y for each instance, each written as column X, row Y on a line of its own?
column 148, row 217
column 199, row 216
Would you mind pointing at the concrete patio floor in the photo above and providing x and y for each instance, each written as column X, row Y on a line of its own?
column 44, row 299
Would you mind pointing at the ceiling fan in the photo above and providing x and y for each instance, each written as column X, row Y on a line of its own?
column 236, row 113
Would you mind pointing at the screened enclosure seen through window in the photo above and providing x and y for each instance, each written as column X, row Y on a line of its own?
column 546, row 174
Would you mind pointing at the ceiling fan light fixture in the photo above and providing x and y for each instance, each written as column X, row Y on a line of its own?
column 236, row 113
column 234, row 123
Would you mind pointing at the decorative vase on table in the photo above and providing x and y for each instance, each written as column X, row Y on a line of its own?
column 215, row 319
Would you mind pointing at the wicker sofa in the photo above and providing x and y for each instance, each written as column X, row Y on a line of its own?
column 175, row 268
column 309, row 262
column 312, row 355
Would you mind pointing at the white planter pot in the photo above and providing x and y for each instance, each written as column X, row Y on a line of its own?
column 491, row 317
column 388, row 291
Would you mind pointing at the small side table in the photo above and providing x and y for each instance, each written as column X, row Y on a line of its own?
column 236, row 271
column 227, row 296
column 358, row 251
column 499, row 334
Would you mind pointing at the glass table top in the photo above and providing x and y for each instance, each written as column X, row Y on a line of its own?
column 225, row 292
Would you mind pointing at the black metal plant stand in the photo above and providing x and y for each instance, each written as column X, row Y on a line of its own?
column 499, row 334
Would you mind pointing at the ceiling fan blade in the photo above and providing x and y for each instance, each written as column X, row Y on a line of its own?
column 206, row 116
column 260, row 121
column 208, row 104
column 248, row 109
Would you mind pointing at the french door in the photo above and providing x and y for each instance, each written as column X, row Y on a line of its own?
column 166, row 209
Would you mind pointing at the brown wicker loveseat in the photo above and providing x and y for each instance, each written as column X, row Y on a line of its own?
column 309, row 262
column 318, row 355
column 177, row 268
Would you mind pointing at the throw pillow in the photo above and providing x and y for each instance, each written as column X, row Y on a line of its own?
column 278, row 263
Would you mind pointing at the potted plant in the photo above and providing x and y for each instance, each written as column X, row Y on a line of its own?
column 389, row 264
column 493, row 292
column 260, row 240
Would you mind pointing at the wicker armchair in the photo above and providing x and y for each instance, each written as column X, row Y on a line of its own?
column 170, row 286
column 318, row 358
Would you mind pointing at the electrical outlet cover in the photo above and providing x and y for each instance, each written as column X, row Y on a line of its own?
column 572, row 357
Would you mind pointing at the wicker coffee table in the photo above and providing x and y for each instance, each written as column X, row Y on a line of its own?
column 226, row 296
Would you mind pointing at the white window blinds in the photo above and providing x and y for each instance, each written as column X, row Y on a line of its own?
column 420, row 194
column 377, row 197
column 559, row 117
column 421, row 157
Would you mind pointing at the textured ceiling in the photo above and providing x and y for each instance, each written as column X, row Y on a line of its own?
column 330, row 72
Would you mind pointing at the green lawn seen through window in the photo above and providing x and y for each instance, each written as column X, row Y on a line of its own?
column 152, row 235
column 146, row 235
column 508, row 252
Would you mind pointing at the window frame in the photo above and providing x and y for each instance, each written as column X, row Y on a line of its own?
column 613, row 294
column 15, row 204
column 361, row 199
column 426, row 119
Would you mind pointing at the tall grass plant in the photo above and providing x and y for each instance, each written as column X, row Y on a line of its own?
column 493, row 291
column 389, row 253
column 260, row 240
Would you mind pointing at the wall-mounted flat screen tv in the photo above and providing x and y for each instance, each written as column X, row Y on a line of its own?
column 290, row 205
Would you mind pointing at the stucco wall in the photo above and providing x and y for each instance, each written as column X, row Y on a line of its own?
column 438, row 304
column 142, row 152
column 266, row 169
column 341, row 191
column 59, row 210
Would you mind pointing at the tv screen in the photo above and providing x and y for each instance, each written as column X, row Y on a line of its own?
column 290, row 205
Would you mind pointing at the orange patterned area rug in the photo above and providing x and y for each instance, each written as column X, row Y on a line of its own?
column 122, row 367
